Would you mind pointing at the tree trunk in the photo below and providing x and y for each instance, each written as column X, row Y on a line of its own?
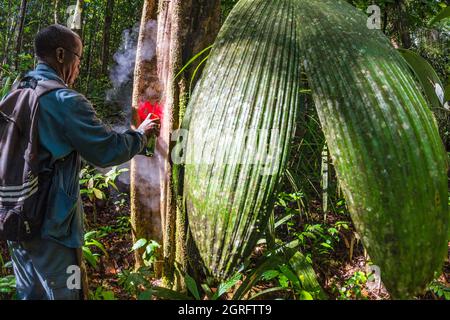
column 107, row 35
column 402, row 25
column 385, row 18
column 145, row 173
column 10, row 36
column 23, row 8
column 55, row 11
column 5, row 36
column 185, row 27
column 39, row 28
column 89, row 52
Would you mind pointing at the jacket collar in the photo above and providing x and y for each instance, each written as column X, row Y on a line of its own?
column 44, row 71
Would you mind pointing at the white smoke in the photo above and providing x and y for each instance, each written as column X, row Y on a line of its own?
column 121, row 74
column 125, row 58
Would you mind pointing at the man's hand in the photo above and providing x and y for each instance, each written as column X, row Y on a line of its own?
column 150, row 126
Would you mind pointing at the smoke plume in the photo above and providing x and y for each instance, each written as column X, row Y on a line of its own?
column 121, row 74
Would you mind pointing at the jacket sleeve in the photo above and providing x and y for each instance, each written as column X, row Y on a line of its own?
column 95, row 142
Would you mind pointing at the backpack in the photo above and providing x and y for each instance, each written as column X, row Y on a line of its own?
column 23, row 189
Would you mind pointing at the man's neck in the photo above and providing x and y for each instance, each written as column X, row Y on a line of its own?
column 48, row 64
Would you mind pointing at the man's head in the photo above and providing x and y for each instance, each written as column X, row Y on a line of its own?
column 61, row 48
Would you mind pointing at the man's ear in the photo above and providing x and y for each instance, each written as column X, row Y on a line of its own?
column 60, row 55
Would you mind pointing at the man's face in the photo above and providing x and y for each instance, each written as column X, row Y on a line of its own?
column 74, row 62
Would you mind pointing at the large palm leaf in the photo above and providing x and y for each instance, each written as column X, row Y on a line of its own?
column 381, row 135
column 383, row 140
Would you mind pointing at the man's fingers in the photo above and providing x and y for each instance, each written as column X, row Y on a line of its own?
column 154, row 126
column 155, row 122
column 149, row 118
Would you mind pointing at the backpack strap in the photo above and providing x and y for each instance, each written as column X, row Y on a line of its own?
column 40, row 87
column 45, row 86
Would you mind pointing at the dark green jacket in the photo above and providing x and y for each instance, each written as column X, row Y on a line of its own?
column 69, row 128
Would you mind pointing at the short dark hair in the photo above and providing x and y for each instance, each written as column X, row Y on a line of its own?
column 53, row 37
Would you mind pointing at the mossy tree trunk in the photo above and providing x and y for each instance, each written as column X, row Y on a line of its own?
column 145, row 173
column 109, row 15
column 185, row 27
column 22, row 15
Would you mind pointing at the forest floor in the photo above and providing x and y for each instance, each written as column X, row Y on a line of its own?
column 336, row 271
column 113, row 222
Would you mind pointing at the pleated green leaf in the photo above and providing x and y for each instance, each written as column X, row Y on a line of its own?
column 444, row 14
column 427, row 76
column 241, row 118
column 305, row 273
column 381, row 134
column 383, row 140
column 432, row 87
column 5, row 88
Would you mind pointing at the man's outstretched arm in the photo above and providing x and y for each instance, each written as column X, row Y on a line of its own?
column 95, row 142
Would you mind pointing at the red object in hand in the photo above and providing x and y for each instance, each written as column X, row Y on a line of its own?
column 146, row 107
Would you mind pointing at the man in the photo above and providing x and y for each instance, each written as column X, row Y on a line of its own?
column 68, row 128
